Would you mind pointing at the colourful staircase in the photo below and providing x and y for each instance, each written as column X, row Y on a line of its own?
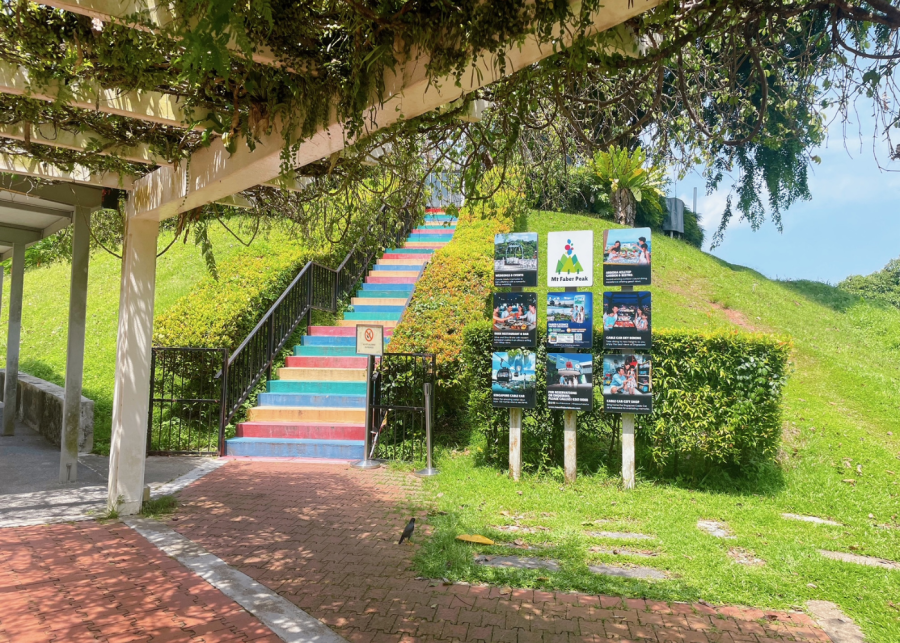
column 316, row 407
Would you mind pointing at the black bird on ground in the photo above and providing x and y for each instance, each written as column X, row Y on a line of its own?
column 407, row 533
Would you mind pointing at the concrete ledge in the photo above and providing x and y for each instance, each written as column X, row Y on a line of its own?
column 40, row 406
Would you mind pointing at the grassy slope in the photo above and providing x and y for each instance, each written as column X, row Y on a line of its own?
column 45, row 315
column 842, row 403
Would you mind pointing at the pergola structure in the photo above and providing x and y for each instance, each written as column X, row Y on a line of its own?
column 212, row 173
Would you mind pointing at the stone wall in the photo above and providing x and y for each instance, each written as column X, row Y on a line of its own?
column 40, row 406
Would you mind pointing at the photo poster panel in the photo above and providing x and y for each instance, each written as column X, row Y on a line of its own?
column 627, row 257
column 570, row 381
column 513, row 379
column 626, row 320
column 570, row 319
column 516, row 260
column 570, row 259
column 627, row 384
column 515, row 320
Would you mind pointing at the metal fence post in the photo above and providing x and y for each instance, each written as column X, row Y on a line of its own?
column 366, row 463
column 223, row 407
column 429, row 470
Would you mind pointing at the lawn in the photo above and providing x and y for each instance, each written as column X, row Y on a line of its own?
column 46, row 304
column 840, row 460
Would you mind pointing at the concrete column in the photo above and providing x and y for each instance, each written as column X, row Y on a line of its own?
column 13, row 338
column 628, row 450
column 515, row 444
column 81, row 246
column 131, row 400
column 570, row 462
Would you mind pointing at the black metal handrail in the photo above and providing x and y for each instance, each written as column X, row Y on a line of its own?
column 316, row 287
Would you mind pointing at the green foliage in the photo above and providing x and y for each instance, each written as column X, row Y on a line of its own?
column 717, row 403
column 883, row 285
column 158, row 507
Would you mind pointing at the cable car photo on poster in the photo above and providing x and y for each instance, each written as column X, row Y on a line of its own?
column 626, row 320
column 626, row 257
column 515, row 319
column 627, row 384
column 570, row 319
column 515, row 259
column 570, row 381
column 513, row 379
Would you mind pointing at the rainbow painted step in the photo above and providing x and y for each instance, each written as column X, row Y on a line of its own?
column 316, row 407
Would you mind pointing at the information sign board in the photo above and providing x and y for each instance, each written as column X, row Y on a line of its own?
column 369, row 339
column 627, row 384
column 570, row 259
column 626, row 257
column 570, row 381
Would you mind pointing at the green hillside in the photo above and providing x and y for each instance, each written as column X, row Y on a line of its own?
column 45, row 312
column 840, row 460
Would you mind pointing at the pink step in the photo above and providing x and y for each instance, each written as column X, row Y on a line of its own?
column 390, row 280
column 441, row 230
column 397, row 255
column 305, row 431
column 325, row 362
column 435, row 211
column 337, row 331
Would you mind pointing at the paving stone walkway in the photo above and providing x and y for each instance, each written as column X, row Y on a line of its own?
column 92, row 582
column 325, row 538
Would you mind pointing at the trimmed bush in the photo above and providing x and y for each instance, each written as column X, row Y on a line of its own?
column 453, row 292
column 717, row 403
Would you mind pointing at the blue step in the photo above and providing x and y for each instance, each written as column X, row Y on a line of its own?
column 383, row 294
column 303, row 400
column 376, row 308
column 288, row 448
column 305, row 387
column 373, row 316
column 331, row 340
column 407, row 288
column 410, row 251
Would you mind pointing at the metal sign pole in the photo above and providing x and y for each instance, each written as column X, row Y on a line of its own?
column 369, row 341
column 570, row 425
column 515, row 433
column 627, row 437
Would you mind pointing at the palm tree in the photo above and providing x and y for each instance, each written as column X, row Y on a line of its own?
column 626, row 178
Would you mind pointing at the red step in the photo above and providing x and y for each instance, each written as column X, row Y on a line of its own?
column 325, row 362
column 339, row 331
column 390, row 280
column 397, row 255
column 306, row 431
column 434, row 211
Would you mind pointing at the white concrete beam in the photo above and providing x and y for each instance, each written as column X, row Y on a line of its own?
column 11, row 235
column 81, row 254
column 55, row 137
column 131, row 397
column 215, row 173
column 153, row 107
column 13, row 340
column 17, row 164
column 70, row 194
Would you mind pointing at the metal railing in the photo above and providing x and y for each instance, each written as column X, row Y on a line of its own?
column 398, row 405
column 186, row 401
column 181, row 388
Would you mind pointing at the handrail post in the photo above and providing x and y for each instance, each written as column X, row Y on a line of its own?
column 429, row 470
column 271, row 347
column 223, row 410
column 366, row 463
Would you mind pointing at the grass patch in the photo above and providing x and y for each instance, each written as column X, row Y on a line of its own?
column 158, row 507
column 841, row 422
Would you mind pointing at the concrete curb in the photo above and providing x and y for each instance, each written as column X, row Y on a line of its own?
column 286, row 620
column 837, row 625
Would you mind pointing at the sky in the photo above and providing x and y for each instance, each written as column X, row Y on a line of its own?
column 850, row 227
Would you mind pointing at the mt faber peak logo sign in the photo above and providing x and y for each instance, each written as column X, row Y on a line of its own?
column 569, row 263
column 570, row 258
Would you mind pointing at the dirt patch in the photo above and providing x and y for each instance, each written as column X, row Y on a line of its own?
column 736, row 317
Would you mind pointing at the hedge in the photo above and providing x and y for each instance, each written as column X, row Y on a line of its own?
column 717, row 403
column 453, row 292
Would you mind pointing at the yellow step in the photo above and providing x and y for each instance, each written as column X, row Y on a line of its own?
column 305, row 414
column 376, row 301
column 323, row 374
column 401, row 262
column 344, row 323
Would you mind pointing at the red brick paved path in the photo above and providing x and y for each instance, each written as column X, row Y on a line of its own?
column 90, row 582
column 324, row 537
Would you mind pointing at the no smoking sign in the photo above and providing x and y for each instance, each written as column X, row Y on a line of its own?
column 369, row 339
